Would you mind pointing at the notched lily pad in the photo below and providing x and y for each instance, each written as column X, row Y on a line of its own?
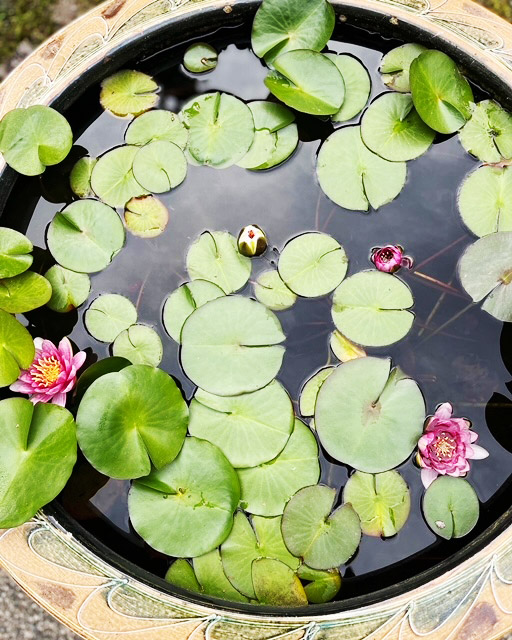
column 451, row 507
column 95, row 371
column 80, row 177
column 15, row 250
column 112, row 178
column 128, row 93
column 357, row 86
column 157, row 124
column 108, row 315
column 16, row 348
column 395, row 66
column 271, row 291
column 146, row 217
column 310, row 390
column 24, row 292
column 160, row 166
column 139, row 344
column 488, row 133
column 200, row 57
column 276, row 584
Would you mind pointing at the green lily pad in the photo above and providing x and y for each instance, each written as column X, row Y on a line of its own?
column 310, row 390
column 128, row 93
column 139, row 344
column 344, row 349
column 221, row 129
column 364, row 406
column 16, row 348
column 271, row 291
column 80, row 177
column 312, row 264
column 160, row 166
column 186, row 509
column 488, row 133
column 276, row 584
column 184, row 301
column 24, row 292
column 485, row 271
column 95, row 371
column 214, row 257
column 451, row 507
column 441, row 94
column 37, row 456
column 357, row 86
column 34, row 138
column 86, row 236
column 181, row 575
column 264, row 418
column 262, row 148
column 231, row 346
column 112, row 178
column 200, row 57
column 158, row 124
column 392, row 128
column 109, row 315
column 382, row 501
column 396, row 63
column 267, row 488
column 287, row 140
column 322, row 585
column 210, row 574
column 132, row 419
column 371, row 308
column 69, row 289
column 15, row 249
column 354, row 177
column 146, row 217
column 485, row 200
column 247, row 543
column 323, row 539
column 307, row 81
column 285, row 25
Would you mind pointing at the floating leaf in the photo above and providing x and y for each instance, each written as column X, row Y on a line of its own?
column 210, row 574
column 80, row 177
column 214, row 256
column 286, row 143
column 370, row 308
column 322, row 585
column 146, row 217
column 392, row 128
column 34, row 138
column 200, row 57
column 488, row 133
column 310, row 390
column 263, row 418
column 451, row 507
column 323, row 539
column 160, row 166
column 441, row 94
column 69, row 289
column 369, row 417
column 24, row 293
column 139, row 344
column 181, row 575
column 130, row 420
column 357, row 86
column 276, row 584
column 307, row 81
column 14, row 253
column 271, row 291
column 157, row 125
column 16, row 348
column 231, row 346
column 344, row 349
column 85, row 236
column 128, row 93
column 95, row 371
column 312, row 264
column 37, row 456
column 194, row 501
column 267, row 488
column 112, row 177
column 396, row 63
column 381, row 501
column 285, row 25
column 108, row 315
column 355, row 178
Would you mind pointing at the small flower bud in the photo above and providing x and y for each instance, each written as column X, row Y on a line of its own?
column 252, row 241
column 390, row 258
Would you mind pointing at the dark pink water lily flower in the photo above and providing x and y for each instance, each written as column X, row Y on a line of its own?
column 447, row 446
column 390, row 258
column 52, row 374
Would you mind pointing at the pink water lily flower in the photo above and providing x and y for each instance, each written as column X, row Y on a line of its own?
column 52, row 374
column 390, row 258
column 447, row 446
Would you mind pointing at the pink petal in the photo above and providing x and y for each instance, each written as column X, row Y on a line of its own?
column 21, row 387
column 479, row 453
column 79, row 359
column 474, row 436
column 66, row 349
column 444, row 411
column 59, row 399
column 428, row 476
column 38, row 343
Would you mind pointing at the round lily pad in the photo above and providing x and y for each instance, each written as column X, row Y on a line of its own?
column 108, row 315
column 139, row 344
column 344, row 349
column 34, row 138
column 323, row 539
column 392, row 128
column 271, row 291
column 181, row 575
column 382, row 501
column 307, row 81
column 485, row 200
column 371, row 308
column 396, row 63
column 276, row 584
column 183, row 301
column 263, row 418
column 160, row 166
column 322, row 585
column 112, row 178
column 267, row 488
column 37, row 456
column 212, row 579
column 200, row 57
column 24, row 292
column 16, row 348
column 130, row 420
column 312, row 264
column 214, row 256
column 85, row 236
column 231, row 346
column 441, row 94
column 157, row 124
column 354, row 177
column 80, row 177
column 128, row 93
column 310, row 390
column 451, row 507
column 186, row 509
column 146, row 217
column 69, row 289
column 357, row 86
column 488, row 133
column 15, row 249
column 95, row 371
column 363, row 407
column 286, row 142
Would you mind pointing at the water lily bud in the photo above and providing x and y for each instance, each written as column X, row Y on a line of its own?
column 390, row 258
column 252, row 241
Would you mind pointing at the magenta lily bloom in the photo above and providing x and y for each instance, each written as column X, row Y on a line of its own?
column 52, row 374
column 390, row 258
column 447, row 446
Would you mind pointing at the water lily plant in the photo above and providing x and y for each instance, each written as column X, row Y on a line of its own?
column 390, row 258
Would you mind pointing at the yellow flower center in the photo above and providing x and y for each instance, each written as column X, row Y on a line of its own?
column 444, row 446
column 46, row 371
